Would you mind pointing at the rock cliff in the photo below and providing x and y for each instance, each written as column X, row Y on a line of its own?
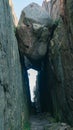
column 13, row 103
column 60, row 58
column 45, row 42
column 39, row 39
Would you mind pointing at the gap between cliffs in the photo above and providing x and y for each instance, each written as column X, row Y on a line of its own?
column 34, row 33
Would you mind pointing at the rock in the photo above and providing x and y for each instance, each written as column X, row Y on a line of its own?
column 47, row 6
column 13, row 102
column 37, row 26
column 15, row 20
column 32, row 43
column 53, row 8
column 35, row 14
column 57, row 126
column 60, row 59
column 32, row 32
column 42, row 122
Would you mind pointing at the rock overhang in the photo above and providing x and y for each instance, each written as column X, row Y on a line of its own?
column 33, row 32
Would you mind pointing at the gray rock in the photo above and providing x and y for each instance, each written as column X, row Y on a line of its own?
column 47, row 6
column 35, row 13
column 33, row 40
column 13, row 108
column 61, row 61
column 42, row 122
column 15, row 20
column 33, row 31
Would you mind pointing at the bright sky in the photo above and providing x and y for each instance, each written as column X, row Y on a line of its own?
column 20, row 4
column 32, row 81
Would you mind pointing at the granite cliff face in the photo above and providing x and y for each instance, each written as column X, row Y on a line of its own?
column 13, row 103
column 60, row 58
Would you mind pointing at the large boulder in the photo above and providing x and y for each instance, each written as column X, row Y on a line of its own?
column 36, row 14
column 33, row 40
column 32, row 31
column 13, row 102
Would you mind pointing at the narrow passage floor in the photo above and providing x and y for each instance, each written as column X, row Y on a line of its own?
column 46, row 122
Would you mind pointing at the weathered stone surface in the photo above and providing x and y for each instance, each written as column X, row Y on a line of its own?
column 33, row 43
column 35, row 13
column 55, row 8
column 13, row 108
column 47, row 6
column 61, row 61
column 15, row 20
column 32, row 32
column 46, row 122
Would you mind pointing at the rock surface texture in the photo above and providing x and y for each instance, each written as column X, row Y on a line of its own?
column 60, row 59
column 46, row 122
column 39, row 41
column 47, row 6
column 56, row 75
column 32, row 32
column 13, row 105
column 15, row 20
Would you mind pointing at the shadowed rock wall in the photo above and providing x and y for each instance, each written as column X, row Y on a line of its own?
column 60, row 57
column 13, row 103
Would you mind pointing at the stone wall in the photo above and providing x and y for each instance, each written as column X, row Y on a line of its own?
column 13, row 103
column 61, row 59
